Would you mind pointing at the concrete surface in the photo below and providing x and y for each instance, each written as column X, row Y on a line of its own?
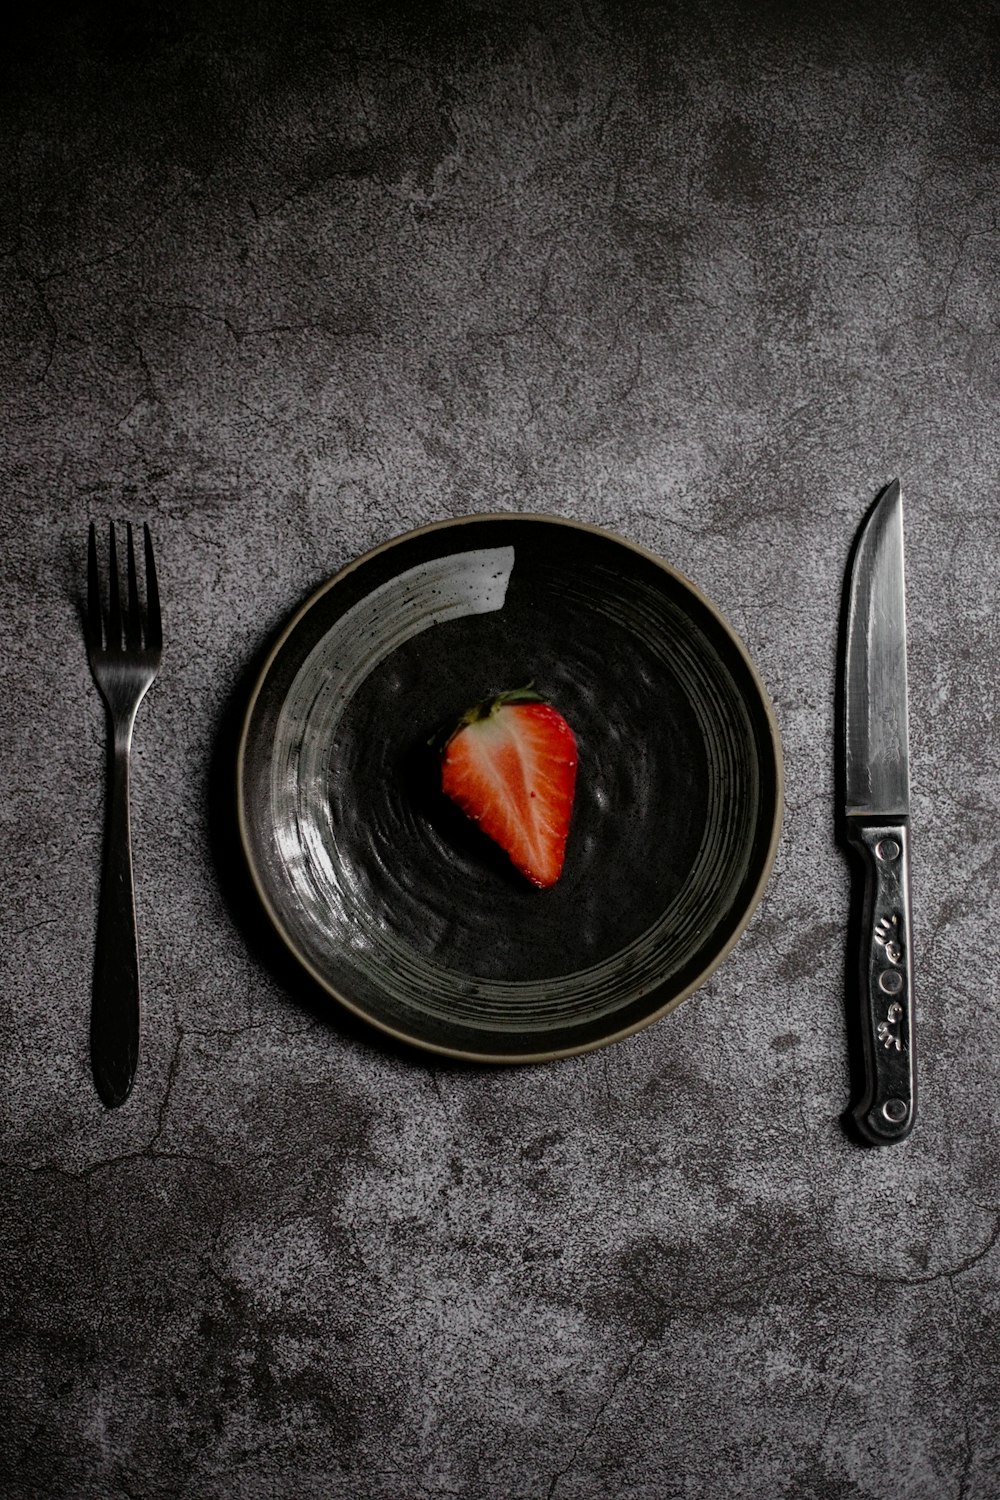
column 287, row 280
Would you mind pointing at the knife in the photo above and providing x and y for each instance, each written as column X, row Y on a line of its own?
column 877, row 809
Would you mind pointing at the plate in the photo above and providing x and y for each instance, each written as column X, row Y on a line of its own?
column 394, row 902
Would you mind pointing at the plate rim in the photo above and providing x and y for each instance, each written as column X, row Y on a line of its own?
column 751, row 904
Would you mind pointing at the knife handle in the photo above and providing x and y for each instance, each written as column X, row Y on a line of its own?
column 888, row 1108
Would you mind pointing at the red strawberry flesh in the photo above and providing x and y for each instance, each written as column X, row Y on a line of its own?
column 511, row 768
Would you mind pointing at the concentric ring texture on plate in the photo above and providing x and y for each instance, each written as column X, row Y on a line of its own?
column 394, row 901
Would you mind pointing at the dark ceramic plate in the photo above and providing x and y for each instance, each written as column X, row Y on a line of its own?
column 390, row 897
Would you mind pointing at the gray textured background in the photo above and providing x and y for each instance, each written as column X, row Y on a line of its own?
column 287, row 281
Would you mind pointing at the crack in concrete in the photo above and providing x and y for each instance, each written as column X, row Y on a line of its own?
column 51, row 1169
column 34, row 926
column 168, row 1091
column 37, row 284
column 947, row 1273
column 604, row 1406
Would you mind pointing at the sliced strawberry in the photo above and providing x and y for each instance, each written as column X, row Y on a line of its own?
column 511, row 767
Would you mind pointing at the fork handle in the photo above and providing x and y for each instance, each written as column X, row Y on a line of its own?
column 114, row 1019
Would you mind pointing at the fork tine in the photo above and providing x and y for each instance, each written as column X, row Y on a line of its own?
column 94, row 625
column 115, row 599
column 154, row 631
column 133, row 620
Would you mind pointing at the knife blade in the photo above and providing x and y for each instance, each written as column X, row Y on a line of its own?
column 877, row 813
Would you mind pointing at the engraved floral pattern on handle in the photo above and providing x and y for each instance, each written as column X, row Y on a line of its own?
column 888, row 933
column 888, row 1030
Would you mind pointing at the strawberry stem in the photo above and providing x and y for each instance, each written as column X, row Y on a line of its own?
column 485, row 709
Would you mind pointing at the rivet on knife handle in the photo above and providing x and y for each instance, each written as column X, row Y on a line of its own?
column 888, row 1108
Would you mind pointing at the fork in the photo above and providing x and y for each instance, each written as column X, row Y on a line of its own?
column 124, row 651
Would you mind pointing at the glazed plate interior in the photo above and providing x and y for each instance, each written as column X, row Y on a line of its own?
column 394, row 902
